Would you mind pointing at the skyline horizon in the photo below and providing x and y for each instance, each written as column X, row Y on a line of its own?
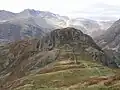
column 75, row 17
column 105, row 9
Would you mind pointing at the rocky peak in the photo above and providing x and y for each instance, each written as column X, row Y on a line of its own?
column 30, row 56
column 34, row 13
column 5, row 15
column 78, row 41
column 110, row 41
column 110, row 37
column 31, row 12
column 68, row 36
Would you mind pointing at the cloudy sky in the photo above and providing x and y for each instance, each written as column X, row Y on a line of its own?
column 102, row 9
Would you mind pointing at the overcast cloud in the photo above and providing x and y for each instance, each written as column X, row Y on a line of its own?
column 99, row 10
column 95, row 9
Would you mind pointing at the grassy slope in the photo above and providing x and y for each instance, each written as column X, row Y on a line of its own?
column 66, row 75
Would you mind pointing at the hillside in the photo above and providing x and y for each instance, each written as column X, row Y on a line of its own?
column 110, row 41
column 67, row 75
column 64, row 58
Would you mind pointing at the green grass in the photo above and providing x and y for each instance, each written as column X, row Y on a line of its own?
column 31, row 87
column 70, row 71
column 65, row 76
column 66, row 73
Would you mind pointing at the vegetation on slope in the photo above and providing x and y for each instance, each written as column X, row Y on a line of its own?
column 65, row 59
column 66, row 74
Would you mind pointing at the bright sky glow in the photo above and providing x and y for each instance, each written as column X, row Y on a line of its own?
column 72, row 8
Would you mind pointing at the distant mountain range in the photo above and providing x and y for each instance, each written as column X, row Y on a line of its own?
column 32, row 23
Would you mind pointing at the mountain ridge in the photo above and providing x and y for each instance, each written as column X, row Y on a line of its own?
column 109, row 41
column 49, row 21
column 59, row 51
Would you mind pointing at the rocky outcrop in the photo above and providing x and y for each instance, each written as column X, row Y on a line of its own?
column 111, row 36
column 14, row 31
column 78, row 41
column 26, row 57
column 110, row 41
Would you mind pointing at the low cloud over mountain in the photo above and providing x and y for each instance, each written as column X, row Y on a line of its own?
column 99, row 11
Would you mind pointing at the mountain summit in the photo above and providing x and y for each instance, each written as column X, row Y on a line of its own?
column 69, row 47
column 44, row 22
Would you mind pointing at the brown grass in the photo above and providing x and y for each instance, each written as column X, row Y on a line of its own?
column 95, row 80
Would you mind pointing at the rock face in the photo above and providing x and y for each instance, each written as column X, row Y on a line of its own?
column 91, row 27
column 78, row 41
column 5, row 15
column 110, row 40
column 30, row 22
column 111, row 36
column 87, row 24
column 30, row 56
column 12, row 32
